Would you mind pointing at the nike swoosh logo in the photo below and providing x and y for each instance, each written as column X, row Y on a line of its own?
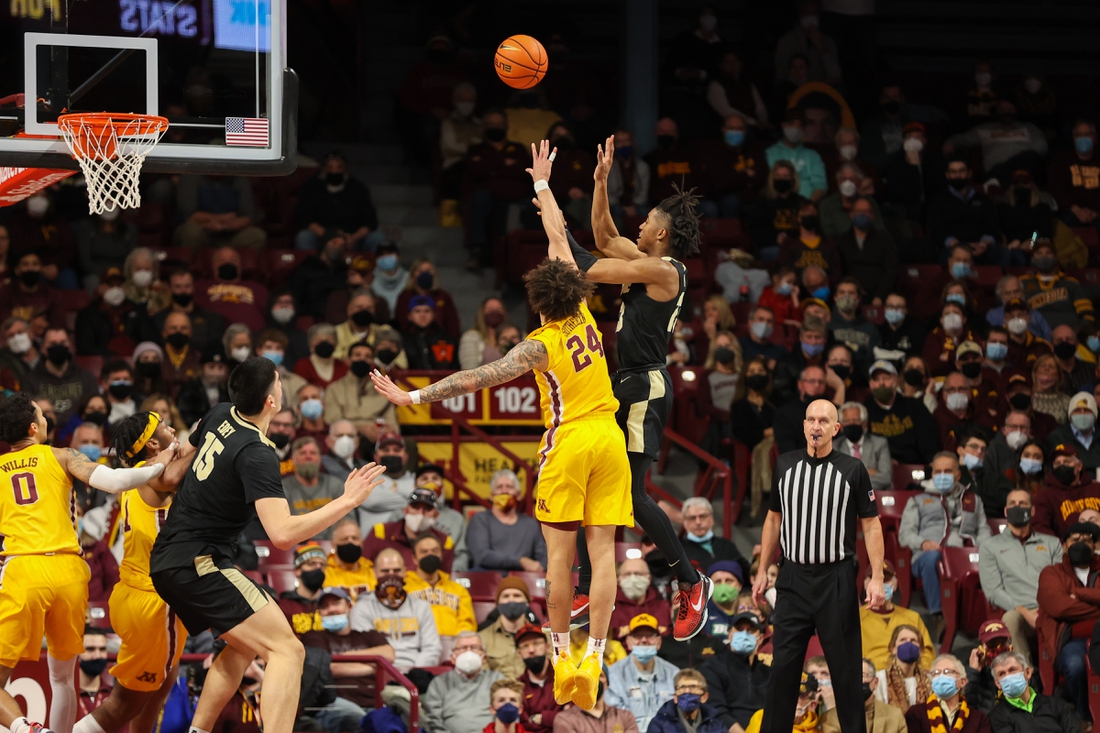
column 698, row 606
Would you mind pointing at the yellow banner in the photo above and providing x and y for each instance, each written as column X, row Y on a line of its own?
column 477, row 462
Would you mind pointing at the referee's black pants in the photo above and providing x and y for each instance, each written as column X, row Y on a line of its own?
column 819, row 598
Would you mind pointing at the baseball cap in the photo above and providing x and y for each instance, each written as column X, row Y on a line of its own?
column 1083, row 399
column 882, row 366
column 913, row 127
column 1016, row 304
column 993, row 629
column 528, row 630
column 424, row 468
column 887, row 569
column 644, row 620
column 213, row 354
column 728, row 566
column 113, row 276
column 390, row 438
column 361, row 264
column 1018, row 379
column 418, row 300
column 968, row 347
column 816, row 301
column 335, row 591
column 749, row 616
column 1088, row 528
column 1063, row 450
column 426, row 497
column 307, row 552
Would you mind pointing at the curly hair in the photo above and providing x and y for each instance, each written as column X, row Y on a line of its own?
column 125, row 434
column 683, row 222
column 556, row 289
column 16, row 415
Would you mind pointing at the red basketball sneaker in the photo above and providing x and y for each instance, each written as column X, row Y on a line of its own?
column 691, row 608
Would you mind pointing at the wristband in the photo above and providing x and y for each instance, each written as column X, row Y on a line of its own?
column 415, row 395
column 541, row 185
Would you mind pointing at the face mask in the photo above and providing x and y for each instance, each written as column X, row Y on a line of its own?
column 957, row 401
column 1065, row 475
column 847, row 152
column 465, row 109
column 1080, row 555
column 386, row 356
column 417, row 523
column 1093, row 343
column 847, row 303
column 959, row 270
column 743, row 642
column 1018, row 516
column 1083, row 145
column 812, row 349
column 782, row 185
column 867, row 691
column 793, row 134
column 945, row 686
column 734, row 138
column 512, row 611
column 468, row 663
column 971, row 461
column 240, row 354
column 913, row 377
column 943, row 483
column 725, row 593
column 307, row 471
column 324, row 349
column 59, row 354
column 821, row 293
column 1016, row 439
column 644, row 654
column 971, row 369
column 1030, row 466
column 952, row 322
column 810, row 222
column 894, row 316
column 279, row 439
column 841, row 370
column 314, row 580
column 534, row 665
column 430, row 563
column 504, row 502
column 362, row 318
column 282, row 315
column 784, row 288
column 634, row 587
column 908, row 652
column 148, row 369
column 275, row 357
column 1014, row 685
column 120, row 390
column 227, row 271
column 1016, row 326
column 98, row 417
column 1064, row 350
column 142, row 278
column 114, row 297
column 760, row 329
column 847, row 188
column 688, row 702
column 853, row 433
column 1083, row 421
column 349, row 552
column 178, row 340
column 756, row 382
column 862, row 222
column 722, row 355
column 495, row 134
column 882, row 394
column 93, row 667
column 334, row 179
column 958, row 183
column 1044, row 263
column 391, row 594
column 30, row 278
column 394, row 464
column 360, row 368
column 335, row 623
column 344, row 447
column 507, row 713
column 93, row 452
column 425, row 280
column 700, row 538
column 1020, row 401
column 20, row 343
column 312, row 408
column 889, row 590
column 387, row 263
column 913, row 145
column 996, row 351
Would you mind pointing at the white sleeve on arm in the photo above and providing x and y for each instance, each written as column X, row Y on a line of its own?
column 115, row 480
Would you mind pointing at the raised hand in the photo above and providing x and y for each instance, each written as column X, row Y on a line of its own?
column 541, row 163
column 389, row 390
column 362, row 481
column 604, row 157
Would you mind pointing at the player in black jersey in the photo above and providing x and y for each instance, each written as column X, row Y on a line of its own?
column 234, row 477
column 654, row 284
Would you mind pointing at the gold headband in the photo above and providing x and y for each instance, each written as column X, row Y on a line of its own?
column 154, row 421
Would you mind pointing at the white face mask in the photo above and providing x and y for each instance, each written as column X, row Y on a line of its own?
column 417, row 523
column 142, row 278
column 913, row 145
column 847, row 188
column 848, row 152
column 114, row 297
column 464, row 108
column 37, row 206
column 1016, row 326
column 20, row 343
column 468, row 663
column 282, row 315
column 1016, row 439
column 344, row 446
column 952, row 322
column 240, row 353
column 634, row 587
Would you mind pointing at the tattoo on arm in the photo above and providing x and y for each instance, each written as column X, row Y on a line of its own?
column 79, row 465
column 524, row 357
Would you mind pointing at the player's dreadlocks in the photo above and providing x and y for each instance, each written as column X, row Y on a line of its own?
column 683, row 222
column 125, row 434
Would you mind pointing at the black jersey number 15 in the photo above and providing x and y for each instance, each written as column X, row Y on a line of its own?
column 204, row 461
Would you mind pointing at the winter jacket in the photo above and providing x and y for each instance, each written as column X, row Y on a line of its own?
column 456, row 704
column 1010, row 569
column 926, row 518
column 667, row 720
column 1057, row 506
column 1048, row 715
column 1068, row 608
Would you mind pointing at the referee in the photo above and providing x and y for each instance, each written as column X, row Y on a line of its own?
column 816, row 497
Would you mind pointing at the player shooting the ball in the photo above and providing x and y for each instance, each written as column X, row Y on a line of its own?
column 584, row 476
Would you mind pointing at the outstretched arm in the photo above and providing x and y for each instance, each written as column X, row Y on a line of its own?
column 553, row 221
column 522, row 358
column 111, row 480
column 604, row 230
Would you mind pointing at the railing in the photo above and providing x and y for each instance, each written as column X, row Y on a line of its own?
column 707, row 482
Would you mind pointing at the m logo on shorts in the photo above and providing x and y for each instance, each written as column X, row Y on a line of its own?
column 542, row 505
column 148, row 677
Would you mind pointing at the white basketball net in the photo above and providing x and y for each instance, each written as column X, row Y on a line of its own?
column 111, row 156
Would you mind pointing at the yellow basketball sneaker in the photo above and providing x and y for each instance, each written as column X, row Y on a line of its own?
column 586, row 682
column 565, row 672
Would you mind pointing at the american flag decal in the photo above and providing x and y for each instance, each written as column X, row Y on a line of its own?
column 246, row 131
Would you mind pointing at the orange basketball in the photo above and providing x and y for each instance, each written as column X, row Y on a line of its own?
column 520, row 62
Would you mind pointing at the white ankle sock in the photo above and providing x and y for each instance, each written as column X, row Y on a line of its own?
column 88, row 724
column 20, row 725
column 561, row 644
column 596, row 646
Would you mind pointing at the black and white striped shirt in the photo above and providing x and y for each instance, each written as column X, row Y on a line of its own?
column 820, row 499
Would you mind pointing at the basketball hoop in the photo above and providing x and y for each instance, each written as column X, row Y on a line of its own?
column 111, row 147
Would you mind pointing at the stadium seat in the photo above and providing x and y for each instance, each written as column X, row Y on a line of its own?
column 987, row 276
column 173, row 257
column 536, row 583
column 1047, row 674
column 904, row 475
column 99, row 614
column 965, row 607
column 997, row 525
column 891, row 504
column 1094, row 687
column 269, row 553
column 874, row 315
column 279, row 263
column 627, row 551
column 255, row 575
column 481, row 584
column 282, row 580
column 92, row 363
